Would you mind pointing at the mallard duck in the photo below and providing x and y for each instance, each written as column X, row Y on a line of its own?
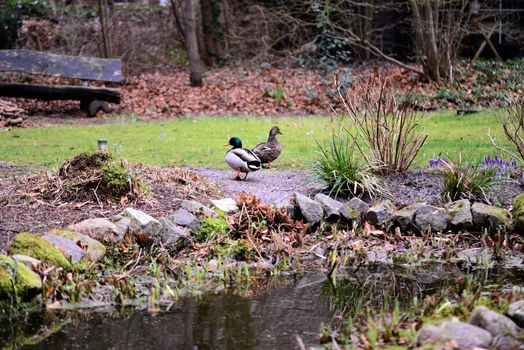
column 241, row 159
column 270, row 150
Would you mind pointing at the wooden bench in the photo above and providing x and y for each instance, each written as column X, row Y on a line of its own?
column 92, row 99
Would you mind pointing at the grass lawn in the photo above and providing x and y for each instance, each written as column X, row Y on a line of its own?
column 199, row 142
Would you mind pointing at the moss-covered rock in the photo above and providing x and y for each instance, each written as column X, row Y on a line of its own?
column 239, row 250
column 94, row 249
column 350, row 214
column 211, row 227
column 402, row 218
column 460, row 213
column 490, row 217
column 518, row 212
column 37, row 247
column 378, row 214
column 25, row 285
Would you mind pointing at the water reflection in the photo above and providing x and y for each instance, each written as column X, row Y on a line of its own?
column 268, row 320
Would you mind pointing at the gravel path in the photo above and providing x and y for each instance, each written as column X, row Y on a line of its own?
column 269, row 185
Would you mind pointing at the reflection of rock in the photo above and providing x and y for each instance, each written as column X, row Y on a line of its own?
column 266, row 320
column 33, row 331
column 466, row 336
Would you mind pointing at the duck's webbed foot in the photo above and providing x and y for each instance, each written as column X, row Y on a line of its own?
column 238, row 176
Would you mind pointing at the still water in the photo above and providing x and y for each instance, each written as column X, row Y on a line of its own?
column 270, row 319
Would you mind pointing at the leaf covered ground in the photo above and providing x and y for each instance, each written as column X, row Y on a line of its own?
column 288, row 90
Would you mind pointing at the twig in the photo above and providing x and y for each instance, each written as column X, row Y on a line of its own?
column 503, row 149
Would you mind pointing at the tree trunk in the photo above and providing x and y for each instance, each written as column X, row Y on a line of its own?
column 103, row 9
column 195, row 77
column 214, row 31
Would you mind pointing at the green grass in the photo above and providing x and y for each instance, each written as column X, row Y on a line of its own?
column 199, row 142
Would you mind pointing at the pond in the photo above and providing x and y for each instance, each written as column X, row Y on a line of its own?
column 271, row 317
column 268, row 320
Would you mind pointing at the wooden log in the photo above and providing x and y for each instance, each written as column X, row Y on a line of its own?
column 60, row 92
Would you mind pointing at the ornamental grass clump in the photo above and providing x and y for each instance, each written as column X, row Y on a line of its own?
column 337, row 165
column 463, row 180
column 387, row 132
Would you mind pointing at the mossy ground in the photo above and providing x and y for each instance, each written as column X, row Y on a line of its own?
column 211, row 228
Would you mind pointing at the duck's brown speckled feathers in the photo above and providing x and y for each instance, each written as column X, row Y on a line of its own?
column 268, row 151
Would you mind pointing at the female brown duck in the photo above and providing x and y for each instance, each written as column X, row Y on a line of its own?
column 268, row 151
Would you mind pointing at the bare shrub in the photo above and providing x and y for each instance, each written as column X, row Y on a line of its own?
column 512, row 121
column 386, row 129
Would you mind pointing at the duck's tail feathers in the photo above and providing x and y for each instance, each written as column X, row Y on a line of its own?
column 254, row 165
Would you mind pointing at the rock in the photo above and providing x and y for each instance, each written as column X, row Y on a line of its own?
column 142, row 223
column 66, row 246
column 37, row 247
column 93, row 248
column 265, row 65
column 428, row 216
column 287, row 202
column 184, row 218
column 518, row 212
column 402, row 218
column 359, row 205
column 350, row 214
column 516, row 312
column 495, row 323
column 311, row 210
column 227, row 205
column 330, row 206
column 28, row 261
column 14, row 122
column 26, row 285
column 122, row 225
column 467, row 337
column 506, row 342
column 100, row 229
column 487, row 216
column 460, row 214
column 378, row 214
column 197, row 208
column 172, row 235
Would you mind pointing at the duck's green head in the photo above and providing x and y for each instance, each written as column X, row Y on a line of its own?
column 235, row 142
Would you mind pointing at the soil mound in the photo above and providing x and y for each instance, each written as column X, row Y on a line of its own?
column 94, row 177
